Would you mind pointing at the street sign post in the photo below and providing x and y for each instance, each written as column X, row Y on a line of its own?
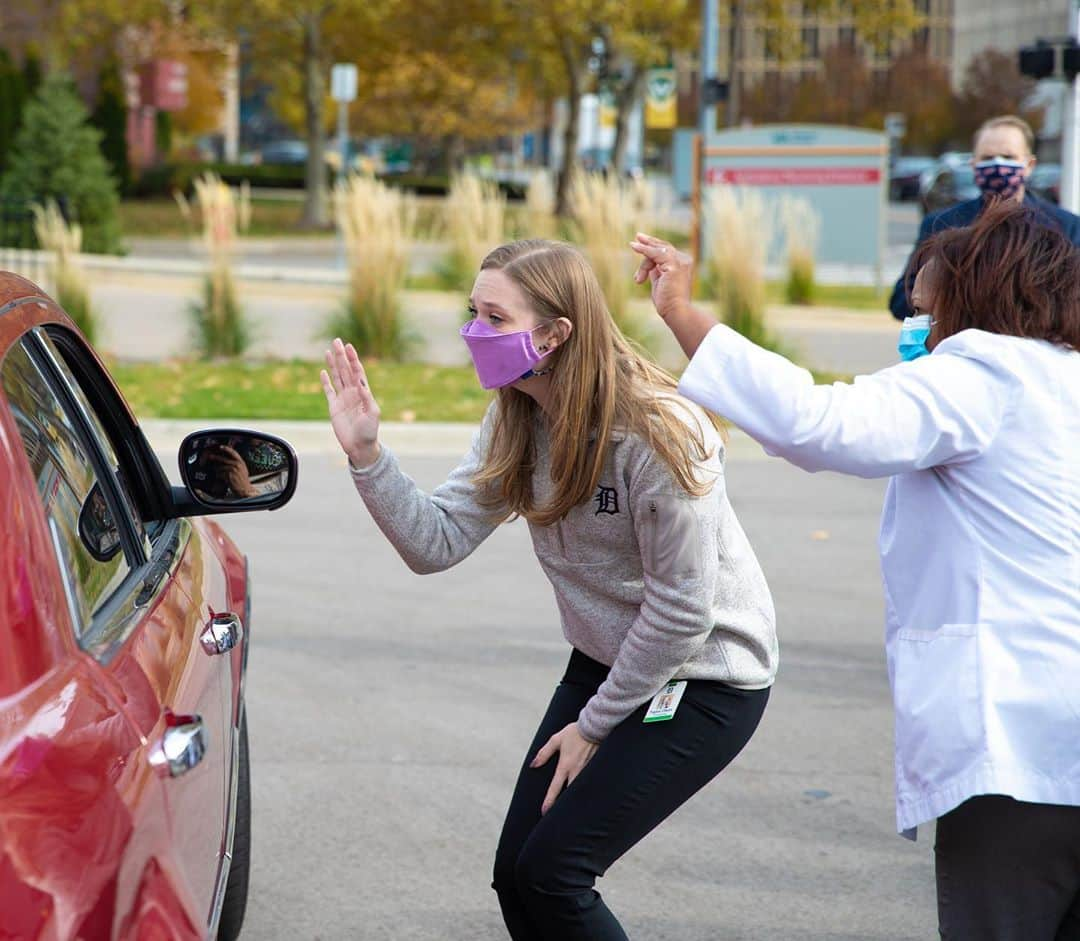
column 343, row 83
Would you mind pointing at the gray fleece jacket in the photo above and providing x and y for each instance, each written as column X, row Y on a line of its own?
column 649, row 581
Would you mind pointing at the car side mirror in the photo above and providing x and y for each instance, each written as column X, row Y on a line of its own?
column 229, row 470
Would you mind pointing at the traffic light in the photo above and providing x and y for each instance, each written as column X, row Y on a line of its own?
column 1070, row 60
column 1038, row 60
column 714, row 90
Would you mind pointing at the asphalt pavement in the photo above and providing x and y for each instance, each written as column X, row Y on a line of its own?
column 389, row 712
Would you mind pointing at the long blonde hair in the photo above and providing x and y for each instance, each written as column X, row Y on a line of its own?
column 599, row 383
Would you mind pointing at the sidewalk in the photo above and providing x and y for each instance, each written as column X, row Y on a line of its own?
column 420, row 439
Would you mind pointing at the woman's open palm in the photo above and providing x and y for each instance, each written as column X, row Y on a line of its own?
column 354, row 413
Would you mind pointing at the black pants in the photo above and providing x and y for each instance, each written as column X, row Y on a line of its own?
column 546, row 866
column 1008, row 870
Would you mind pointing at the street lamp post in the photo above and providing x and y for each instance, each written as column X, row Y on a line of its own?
column 343, row 81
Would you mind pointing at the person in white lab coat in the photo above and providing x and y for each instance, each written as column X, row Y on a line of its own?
column 980, row 546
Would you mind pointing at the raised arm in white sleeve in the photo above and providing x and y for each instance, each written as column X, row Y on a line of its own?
column 940, row 409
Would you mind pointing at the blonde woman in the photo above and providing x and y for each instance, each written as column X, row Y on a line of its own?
column 660, row 595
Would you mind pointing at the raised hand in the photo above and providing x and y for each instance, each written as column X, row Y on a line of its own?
column 671, row 275
column 669, row 270
column 354, row 413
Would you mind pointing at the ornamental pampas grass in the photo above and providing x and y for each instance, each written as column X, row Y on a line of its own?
column 474, row 223
column 64, row 243
column 607, row 215
column 801, row 228
column 377, row 225
column 739, row 229
column 221, row 328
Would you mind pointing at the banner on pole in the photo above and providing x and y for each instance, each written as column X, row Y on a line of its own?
column 661, row 100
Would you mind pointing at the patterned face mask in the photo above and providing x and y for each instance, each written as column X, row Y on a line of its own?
column 999, row 177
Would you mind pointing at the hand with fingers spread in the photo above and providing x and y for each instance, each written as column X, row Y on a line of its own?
column 670, row 273
column 574, row 753
column 354, row 413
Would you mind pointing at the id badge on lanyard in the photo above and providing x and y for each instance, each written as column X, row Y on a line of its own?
column 666, row 702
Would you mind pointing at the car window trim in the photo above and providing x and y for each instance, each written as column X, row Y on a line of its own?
column 42, row 357
column 153, row 489
column 115, row 621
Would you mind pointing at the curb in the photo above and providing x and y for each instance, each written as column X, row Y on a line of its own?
column 407, row 439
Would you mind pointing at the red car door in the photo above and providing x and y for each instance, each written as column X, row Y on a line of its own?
column 84, row 820
column 169, row 657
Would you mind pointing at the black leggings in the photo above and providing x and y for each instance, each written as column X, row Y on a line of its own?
column 546, row 866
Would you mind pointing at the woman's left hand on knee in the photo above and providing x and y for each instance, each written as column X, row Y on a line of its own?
column 574, row 753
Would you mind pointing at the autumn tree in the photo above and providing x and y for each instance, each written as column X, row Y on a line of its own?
column 290, row 40
column 646, row 34
column 993, row 85
column 425, row 77
column 877, row 22
column 918, row 87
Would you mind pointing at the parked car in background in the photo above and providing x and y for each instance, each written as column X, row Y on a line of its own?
column 949, row 182
column 1045, row 181
column 283, row 153
column 294, row 153
column 904, row 176
column 125, row 617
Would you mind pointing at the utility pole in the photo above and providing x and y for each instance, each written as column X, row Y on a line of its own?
column 1070, row 130
column 709, row 93
column 710, row 47
column 1060, row 59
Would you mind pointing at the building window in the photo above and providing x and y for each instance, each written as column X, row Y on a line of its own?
column 810, row 42
column 846, row 37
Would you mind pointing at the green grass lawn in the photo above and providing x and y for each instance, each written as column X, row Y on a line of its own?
column 141, row 218
column 291, row 390
column 850, row 296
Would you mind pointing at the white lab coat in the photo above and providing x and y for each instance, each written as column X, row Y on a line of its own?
column 980, row 545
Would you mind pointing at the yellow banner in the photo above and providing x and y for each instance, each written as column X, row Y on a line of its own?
column 661, row 99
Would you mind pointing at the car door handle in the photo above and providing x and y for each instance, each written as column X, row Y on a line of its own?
column 181, row 748
column 222, row 633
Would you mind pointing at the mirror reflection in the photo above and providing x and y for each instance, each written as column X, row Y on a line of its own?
column 97, row 528
column 235, row 468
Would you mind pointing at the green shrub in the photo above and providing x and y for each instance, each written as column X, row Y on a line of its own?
column 110, row 117
column 12, row 101
column 220, row 327
column 57, row 154
column 161, row 180
column 800, row 285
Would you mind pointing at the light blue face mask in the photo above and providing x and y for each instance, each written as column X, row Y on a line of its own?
column 914, row 332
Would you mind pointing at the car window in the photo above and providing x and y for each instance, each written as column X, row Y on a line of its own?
column 79, row 510
column 102, row 439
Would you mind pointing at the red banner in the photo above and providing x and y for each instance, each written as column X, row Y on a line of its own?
column 794, row 176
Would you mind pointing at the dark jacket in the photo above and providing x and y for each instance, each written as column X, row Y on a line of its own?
column 964, row 214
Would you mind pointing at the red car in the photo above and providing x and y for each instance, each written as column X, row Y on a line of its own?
column 124, row 623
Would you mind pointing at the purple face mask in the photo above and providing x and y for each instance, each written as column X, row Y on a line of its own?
column 500, row 358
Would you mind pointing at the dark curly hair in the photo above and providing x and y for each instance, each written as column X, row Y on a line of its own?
column 1012, row 271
